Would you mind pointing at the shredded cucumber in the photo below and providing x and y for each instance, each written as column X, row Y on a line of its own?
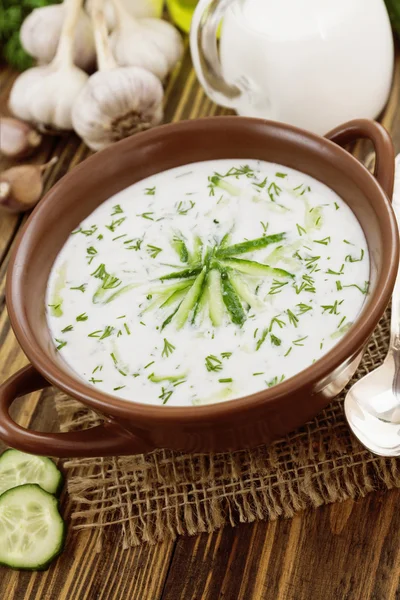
column 32, row 532
column 190, row 300
column 18, row 468
column 232, row 300
column 251, row 267
column 216, row 303
column 250, row 245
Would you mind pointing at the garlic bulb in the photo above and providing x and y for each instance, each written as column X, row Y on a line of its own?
column 21, row 187
column 45, row 95
column 115, row 102
column 152, row 44
column 137, row 8
column 40, row 33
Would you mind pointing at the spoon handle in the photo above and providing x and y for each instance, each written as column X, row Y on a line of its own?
column 395, row 320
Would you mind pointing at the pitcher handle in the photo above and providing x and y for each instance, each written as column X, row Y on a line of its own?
column 203, row 46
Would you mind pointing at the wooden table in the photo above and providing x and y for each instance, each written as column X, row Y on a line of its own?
column 348, row 551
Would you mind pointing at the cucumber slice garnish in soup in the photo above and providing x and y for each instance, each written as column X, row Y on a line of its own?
column 18, row 468
column 32, row 532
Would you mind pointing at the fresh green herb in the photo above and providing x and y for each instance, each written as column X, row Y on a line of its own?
column 147, row 215
column 66, row 329
column 262, row 338
column 93, row 380
column 336, row 206
column 80, row 288
column 275, row 340
column 300, row 229
column 154, row 251
column 260, row 373
column 292, row 318
column 262, row 184
column 82, row 317
column 278, row 321
column 120, row 387
column 324, row 242
column 183, row 207
column 311, row 262
column 264, row 226
column 282, row 175
column 165, row 395
column 150, row 191
column 332, row 309
column 117, row 210
column 275, row 381
column 363, row 290
column 226, row 354
column 341, row 322
column 98, row 368
column 109, row 282
column 119, row 237
column 273, row 189
column 330, row 272
column 91, row 251
column 226, row 380
column 298, row 341
column 95, row 334
column 168, row 348
column 347, row 242
column 339, row 286
column 128, row 331
column 149, row 364
column 213, row 363
column 288, row 351
column 60, row 344
column 115, row 224
column 307, row 285
column 351, row 259
column 276, row 287
column 135, row 246
column 303, row 308
column 86, row 232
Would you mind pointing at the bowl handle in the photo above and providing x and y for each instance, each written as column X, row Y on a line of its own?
column 382, row 142
column 108, row 439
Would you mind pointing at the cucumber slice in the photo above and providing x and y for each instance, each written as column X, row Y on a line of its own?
column 190, row 300
column 18, row 468
column 232, row 300
column 251, row 267
column 32, row 532
column 216, row 303
column 250, row 245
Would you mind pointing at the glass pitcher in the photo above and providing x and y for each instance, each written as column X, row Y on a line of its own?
column 310, row 63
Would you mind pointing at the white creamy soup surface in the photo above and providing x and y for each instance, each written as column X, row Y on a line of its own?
column 207, row 282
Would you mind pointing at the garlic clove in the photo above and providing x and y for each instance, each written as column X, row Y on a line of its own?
column 117, row 103
column 17, row 139
column 21, row 187
column 41, row 30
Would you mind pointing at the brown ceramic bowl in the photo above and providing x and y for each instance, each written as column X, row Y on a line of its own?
column 132, row 427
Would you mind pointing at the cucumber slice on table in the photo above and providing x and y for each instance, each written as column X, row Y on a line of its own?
column 32, row 532
column 18, row 468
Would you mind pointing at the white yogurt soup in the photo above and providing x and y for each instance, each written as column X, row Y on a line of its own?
column 207, row 282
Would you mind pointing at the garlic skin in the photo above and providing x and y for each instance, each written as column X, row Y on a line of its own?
column 41, row 30
column 152, row 44
column 115, row 104
column 45, row 95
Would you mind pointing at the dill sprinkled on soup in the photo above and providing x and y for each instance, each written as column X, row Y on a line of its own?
column 207, row 282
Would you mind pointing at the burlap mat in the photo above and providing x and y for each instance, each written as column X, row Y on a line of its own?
column 162, row 494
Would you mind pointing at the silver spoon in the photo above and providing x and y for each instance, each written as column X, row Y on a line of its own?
column 372, row 405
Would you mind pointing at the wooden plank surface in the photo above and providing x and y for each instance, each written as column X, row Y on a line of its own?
column 347, row 551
